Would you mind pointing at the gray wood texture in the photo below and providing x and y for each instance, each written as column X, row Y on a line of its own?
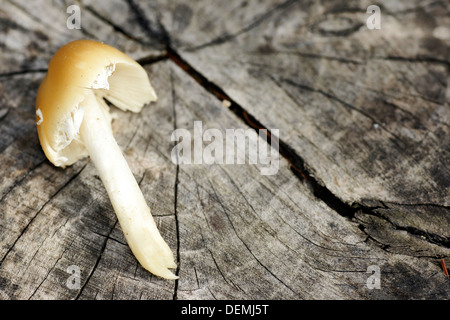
column 363, row 180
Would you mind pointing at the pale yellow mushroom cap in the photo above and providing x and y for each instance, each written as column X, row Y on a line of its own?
column 79, row 71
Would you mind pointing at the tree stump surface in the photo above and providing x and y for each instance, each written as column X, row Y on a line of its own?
column 358, row 208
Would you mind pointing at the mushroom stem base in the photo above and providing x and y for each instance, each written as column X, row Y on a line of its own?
column 132, row 211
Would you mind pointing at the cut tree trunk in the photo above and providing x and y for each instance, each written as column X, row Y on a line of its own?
column 358, row 207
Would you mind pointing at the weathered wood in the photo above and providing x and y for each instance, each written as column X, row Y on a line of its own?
column 367, row 110
column 363, row 178
column 269, row 236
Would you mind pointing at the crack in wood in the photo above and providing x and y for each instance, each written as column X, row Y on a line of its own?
column 40, row 210
column 22, row 72
column 422, row 234
column 108, row 236
column 225, row 211
column 151, row 59
column 116, row 27
column 220, row 270
column 47, row 274
column 417, row 59
column 153, row 26
column 332, row 97
column 22, row 178
column 38, row 18
column 260, row 19
column 102, row 250
column 177, row 225
column 308, row 55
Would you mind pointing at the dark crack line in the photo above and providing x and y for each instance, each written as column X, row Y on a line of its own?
column 177, row 225
column 47, row 275
column 151, row 59
column 100, row 255
column 417, row 59
column 422, row 234
column 429, row 237
column 396, row 140
column 136, row 130
column 37, row 17
column 22, row 72
column 260, row 19
column 108, row 237
column 347, row 105
column 116, row 27
column 154, row 28
column 22, row 178
column 225, row 211
column 220, row 271
column 427, row 204
column 308, row 55
column 40, row 210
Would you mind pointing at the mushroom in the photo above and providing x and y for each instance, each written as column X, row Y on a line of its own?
column 73, row 122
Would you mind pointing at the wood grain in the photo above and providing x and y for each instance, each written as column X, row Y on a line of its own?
column 363, row 180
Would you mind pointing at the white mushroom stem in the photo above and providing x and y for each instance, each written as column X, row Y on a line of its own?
column 130, row 206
